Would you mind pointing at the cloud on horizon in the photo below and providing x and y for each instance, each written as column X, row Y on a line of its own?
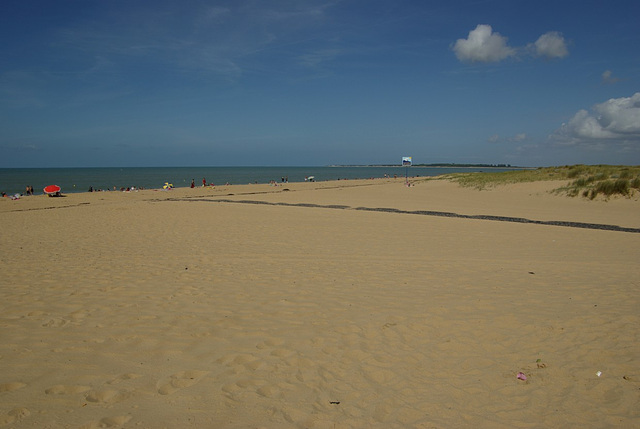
column 496, row 138
column 616, row 121
column 518, row 137
column 485, row 45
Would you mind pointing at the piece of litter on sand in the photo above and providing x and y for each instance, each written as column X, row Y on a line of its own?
column 599, row 373
column 521, row 376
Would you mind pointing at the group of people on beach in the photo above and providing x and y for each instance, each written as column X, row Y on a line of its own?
column 284, row 179
column 123, row 189
column 28, row 191
column 204, row 183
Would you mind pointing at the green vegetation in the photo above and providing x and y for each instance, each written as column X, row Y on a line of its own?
column 588, row 181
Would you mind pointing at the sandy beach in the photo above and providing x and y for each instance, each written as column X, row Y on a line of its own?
column 347, row 304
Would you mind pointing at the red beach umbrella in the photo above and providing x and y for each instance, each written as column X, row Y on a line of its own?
column 52, row 189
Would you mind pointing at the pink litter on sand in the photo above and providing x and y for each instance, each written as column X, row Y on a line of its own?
column 521, row 376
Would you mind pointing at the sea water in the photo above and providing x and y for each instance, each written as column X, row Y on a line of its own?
column 71, row 180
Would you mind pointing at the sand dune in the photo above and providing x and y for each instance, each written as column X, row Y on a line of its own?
column 292, row 306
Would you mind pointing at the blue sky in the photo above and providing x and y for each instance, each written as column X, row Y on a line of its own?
column 87, row 83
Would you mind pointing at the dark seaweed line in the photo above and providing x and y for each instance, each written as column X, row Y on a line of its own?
column 596, row 226
column 509, row 219
column 47, row 208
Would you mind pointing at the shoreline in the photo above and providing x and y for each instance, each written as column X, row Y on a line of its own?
column 74, row 180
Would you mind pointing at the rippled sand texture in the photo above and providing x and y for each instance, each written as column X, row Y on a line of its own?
column 177, row 309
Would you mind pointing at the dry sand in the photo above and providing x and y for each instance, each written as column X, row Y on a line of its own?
column 289, row 307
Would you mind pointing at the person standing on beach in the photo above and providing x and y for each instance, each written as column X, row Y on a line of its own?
column 193, row 183
column 204, row 182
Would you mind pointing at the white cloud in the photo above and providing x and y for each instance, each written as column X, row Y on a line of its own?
column 518, row 137
column 551, row 45
column 608, row 77
column 621, row 115
column 615, row 121
column 497, row 138
column 483, row 45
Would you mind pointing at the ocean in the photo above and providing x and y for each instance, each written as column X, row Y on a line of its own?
column 72, row 180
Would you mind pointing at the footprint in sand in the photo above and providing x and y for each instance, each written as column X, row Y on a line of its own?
column 56, row 323
column 10, row 387
column 107, row 396
column 269, row 391
column 124, row 377
column 14, row 416
column 180, row 380
column 270, row 342
column 107, row 422
column 62, row 389
column 78, row 315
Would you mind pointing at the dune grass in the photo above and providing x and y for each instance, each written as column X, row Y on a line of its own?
column 587, row 181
